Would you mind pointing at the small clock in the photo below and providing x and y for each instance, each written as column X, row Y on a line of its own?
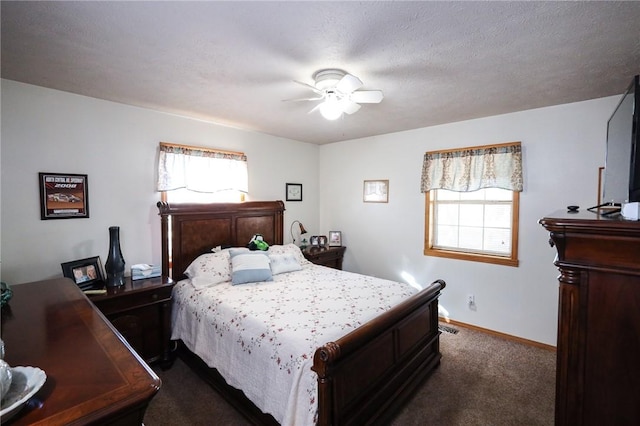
column 294, row 192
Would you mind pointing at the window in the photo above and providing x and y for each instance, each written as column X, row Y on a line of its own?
column 184, row 195
column 481, row 225
column 472, row 198
column 188, row 174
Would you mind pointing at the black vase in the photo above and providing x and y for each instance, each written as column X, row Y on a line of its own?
column 115, row 262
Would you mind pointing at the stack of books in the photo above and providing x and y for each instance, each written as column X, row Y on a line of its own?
column 143, row 271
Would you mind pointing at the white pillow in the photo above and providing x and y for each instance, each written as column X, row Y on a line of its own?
column 281, row 263
column 209, row 269
column 291, row 249
column 250, row 267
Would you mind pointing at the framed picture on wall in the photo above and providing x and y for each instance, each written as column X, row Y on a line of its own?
column 294, row 192
column 63, row 196
column 376, row 191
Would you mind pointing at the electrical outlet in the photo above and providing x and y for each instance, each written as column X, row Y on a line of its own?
column 471, row 300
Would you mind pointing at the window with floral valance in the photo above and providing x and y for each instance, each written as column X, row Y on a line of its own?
column 470, row 169
column 472, row 202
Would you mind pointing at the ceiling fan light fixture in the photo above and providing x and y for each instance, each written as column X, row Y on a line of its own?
column 330, row 112
column 331, row 108
column 339, row 92
column 325, row 79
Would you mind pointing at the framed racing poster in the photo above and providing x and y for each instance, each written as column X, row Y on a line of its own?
column 63, row 196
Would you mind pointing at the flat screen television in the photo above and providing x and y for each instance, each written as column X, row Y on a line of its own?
column 622, row 162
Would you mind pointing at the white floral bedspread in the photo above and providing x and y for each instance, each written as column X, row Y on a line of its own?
column 261, row 337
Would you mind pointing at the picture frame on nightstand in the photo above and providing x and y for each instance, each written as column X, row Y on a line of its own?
column 86, row 273
column 335, row 239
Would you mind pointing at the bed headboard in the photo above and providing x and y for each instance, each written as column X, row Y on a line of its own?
column 195, row 229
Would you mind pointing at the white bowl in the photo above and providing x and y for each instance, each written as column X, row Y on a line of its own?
column 26, row 381
column 5, row 378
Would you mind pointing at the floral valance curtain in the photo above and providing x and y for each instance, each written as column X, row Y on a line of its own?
column 201, row 169
column 470, row 169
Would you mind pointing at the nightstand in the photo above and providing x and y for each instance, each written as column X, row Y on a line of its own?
column 141, row 311
column 325, row 256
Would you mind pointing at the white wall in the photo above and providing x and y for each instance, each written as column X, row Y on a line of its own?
column 116, row 146
column 563, row 146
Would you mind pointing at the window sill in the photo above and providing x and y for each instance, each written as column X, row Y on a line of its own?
column 473, row 257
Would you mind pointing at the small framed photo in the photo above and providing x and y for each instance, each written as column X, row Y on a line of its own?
column 63, row 196
column 294, row 192
column 376, row 191
column 86, row 273
column 335, row 238
column 314, row 241
column 322, row 240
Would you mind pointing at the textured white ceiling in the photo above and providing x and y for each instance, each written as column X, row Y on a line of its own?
column 234, row 62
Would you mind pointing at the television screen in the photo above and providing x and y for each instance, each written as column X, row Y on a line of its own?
column 620, row 174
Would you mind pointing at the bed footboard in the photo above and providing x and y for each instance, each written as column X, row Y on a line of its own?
column 367, row 375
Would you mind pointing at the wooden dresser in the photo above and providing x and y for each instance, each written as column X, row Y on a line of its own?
column 598, row 364
column 93, row 375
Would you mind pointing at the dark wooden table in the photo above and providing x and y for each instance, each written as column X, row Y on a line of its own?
column 93, row 376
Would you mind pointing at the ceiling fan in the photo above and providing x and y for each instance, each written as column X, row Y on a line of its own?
column 339, row 92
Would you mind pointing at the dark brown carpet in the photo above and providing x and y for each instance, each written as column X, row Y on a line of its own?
column 482, row 380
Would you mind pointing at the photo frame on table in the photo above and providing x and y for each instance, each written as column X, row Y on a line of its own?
column 376, row 191
column 335, row 239
column 322, row 240
column 314, row 241
column 86, row 273
column 63, row 196
column 294, row 191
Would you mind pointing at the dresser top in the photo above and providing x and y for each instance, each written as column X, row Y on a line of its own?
column 92, row 373
column 586, row 221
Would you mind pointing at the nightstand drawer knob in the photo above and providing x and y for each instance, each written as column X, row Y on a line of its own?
column 154, row 296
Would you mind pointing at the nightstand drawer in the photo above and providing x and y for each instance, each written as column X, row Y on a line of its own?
column 132, row 300
column 325, row 256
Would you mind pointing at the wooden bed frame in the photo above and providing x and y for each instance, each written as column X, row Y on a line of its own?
column 364, row 377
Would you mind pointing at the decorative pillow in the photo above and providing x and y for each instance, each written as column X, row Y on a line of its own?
column 209, row 269
column 291, row 249
column 237, row 250
column 250, row 267
column 281, row 263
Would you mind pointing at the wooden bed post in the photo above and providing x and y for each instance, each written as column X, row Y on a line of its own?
column 164, row 225
column 321, row 365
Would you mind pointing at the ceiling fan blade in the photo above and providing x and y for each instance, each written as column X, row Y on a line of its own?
column 318, row 91
column 303, row 99
column 367, row 96
column 349, row 106
column 315, row 108
column 348, row 84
